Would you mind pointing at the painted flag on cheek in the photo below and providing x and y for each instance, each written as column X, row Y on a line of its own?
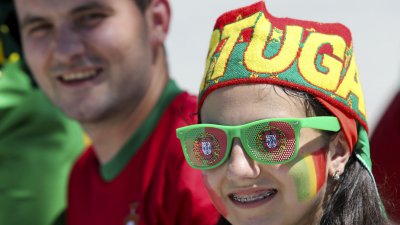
column 309, row 175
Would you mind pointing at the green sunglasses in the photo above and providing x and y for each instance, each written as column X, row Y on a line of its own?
column 268, row 141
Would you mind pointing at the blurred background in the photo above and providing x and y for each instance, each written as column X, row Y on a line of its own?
column 374, row 26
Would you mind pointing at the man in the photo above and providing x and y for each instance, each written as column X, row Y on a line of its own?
column 38, row 145
column 104, row 64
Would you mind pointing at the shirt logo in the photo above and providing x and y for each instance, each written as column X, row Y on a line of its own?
column 133, row 217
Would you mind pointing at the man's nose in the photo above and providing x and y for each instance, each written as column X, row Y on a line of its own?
column 68, row 44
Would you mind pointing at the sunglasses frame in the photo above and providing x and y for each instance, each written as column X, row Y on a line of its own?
column 327, row 123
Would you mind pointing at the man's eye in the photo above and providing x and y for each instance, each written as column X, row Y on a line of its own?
column 39, row 30
column 90, row 19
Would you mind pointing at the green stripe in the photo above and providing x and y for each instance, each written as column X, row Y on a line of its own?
column 301, row 177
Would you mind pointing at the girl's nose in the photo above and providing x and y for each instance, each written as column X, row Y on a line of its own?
column 240, row 165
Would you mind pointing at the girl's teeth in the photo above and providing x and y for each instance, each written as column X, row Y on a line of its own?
column 252, row 198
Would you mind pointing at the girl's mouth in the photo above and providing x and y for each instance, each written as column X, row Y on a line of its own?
column 252, row 199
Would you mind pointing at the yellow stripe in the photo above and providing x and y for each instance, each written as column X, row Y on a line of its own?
column 86, row 140
column 14, row 57
column 1, row 53
column 3, row 29
column 312, row 176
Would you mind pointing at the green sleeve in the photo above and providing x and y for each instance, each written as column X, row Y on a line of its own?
column 38, row 146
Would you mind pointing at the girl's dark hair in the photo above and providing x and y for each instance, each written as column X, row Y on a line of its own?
column 223, row 221
column 353, row 199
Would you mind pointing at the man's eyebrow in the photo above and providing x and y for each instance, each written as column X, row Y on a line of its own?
column 29, row 19
column 89, row 6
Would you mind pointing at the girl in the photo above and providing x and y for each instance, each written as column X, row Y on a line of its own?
column 283, row 133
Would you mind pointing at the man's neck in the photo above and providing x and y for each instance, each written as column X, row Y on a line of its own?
column 108, row 137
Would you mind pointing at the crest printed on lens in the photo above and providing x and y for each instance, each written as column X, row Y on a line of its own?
column 209, row 147
column 206, row 147
column 271, row 138
column 273, row 141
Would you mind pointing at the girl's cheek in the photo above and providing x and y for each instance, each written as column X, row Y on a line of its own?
column 309, row 175
column 215, row 198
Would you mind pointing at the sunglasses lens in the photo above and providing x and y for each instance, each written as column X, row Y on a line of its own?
column 272, row 142
column 205, row 147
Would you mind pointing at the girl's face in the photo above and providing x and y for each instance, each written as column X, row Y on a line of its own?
column 247, row 192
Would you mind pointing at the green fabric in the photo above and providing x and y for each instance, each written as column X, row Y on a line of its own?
column 362, row 149
column 111, row 170
column 236, row 70
column 363, row 154
column 38, row 146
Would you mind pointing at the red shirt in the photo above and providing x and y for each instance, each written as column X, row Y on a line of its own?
column 385, row 155
column 155, row 187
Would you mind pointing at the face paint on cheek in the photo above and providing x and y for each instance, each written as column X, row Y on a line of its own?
column 218, row 203
column 309, row 175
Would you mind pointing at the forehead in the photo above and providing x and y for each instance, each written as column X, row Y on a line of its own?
column 239, row 104
column 27, row 6
column 58, row 8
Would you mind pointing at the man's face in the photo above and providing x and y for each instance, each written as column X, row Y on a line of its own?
column 91, row 57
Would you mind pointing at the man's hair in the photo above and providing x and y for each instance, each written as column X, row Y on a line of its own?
column 142, row 4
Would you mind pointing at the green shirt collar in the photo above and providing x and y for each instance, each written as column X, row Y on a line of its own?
column 111, row 170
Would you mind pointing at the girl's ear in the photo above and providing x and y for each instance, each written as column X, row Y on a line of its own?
column 339, row 154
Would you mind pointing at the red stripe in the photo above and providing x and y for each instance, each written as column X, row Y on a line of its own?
column 319, row 159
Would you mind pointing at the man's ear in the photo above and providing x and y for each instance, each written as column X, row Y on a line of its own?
column 339, row 153
column 159, row 15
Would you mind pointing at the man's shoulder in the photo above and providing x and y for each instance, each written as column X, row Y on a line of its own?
column 182, row 111
column 184, row 107
column 187, row 98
